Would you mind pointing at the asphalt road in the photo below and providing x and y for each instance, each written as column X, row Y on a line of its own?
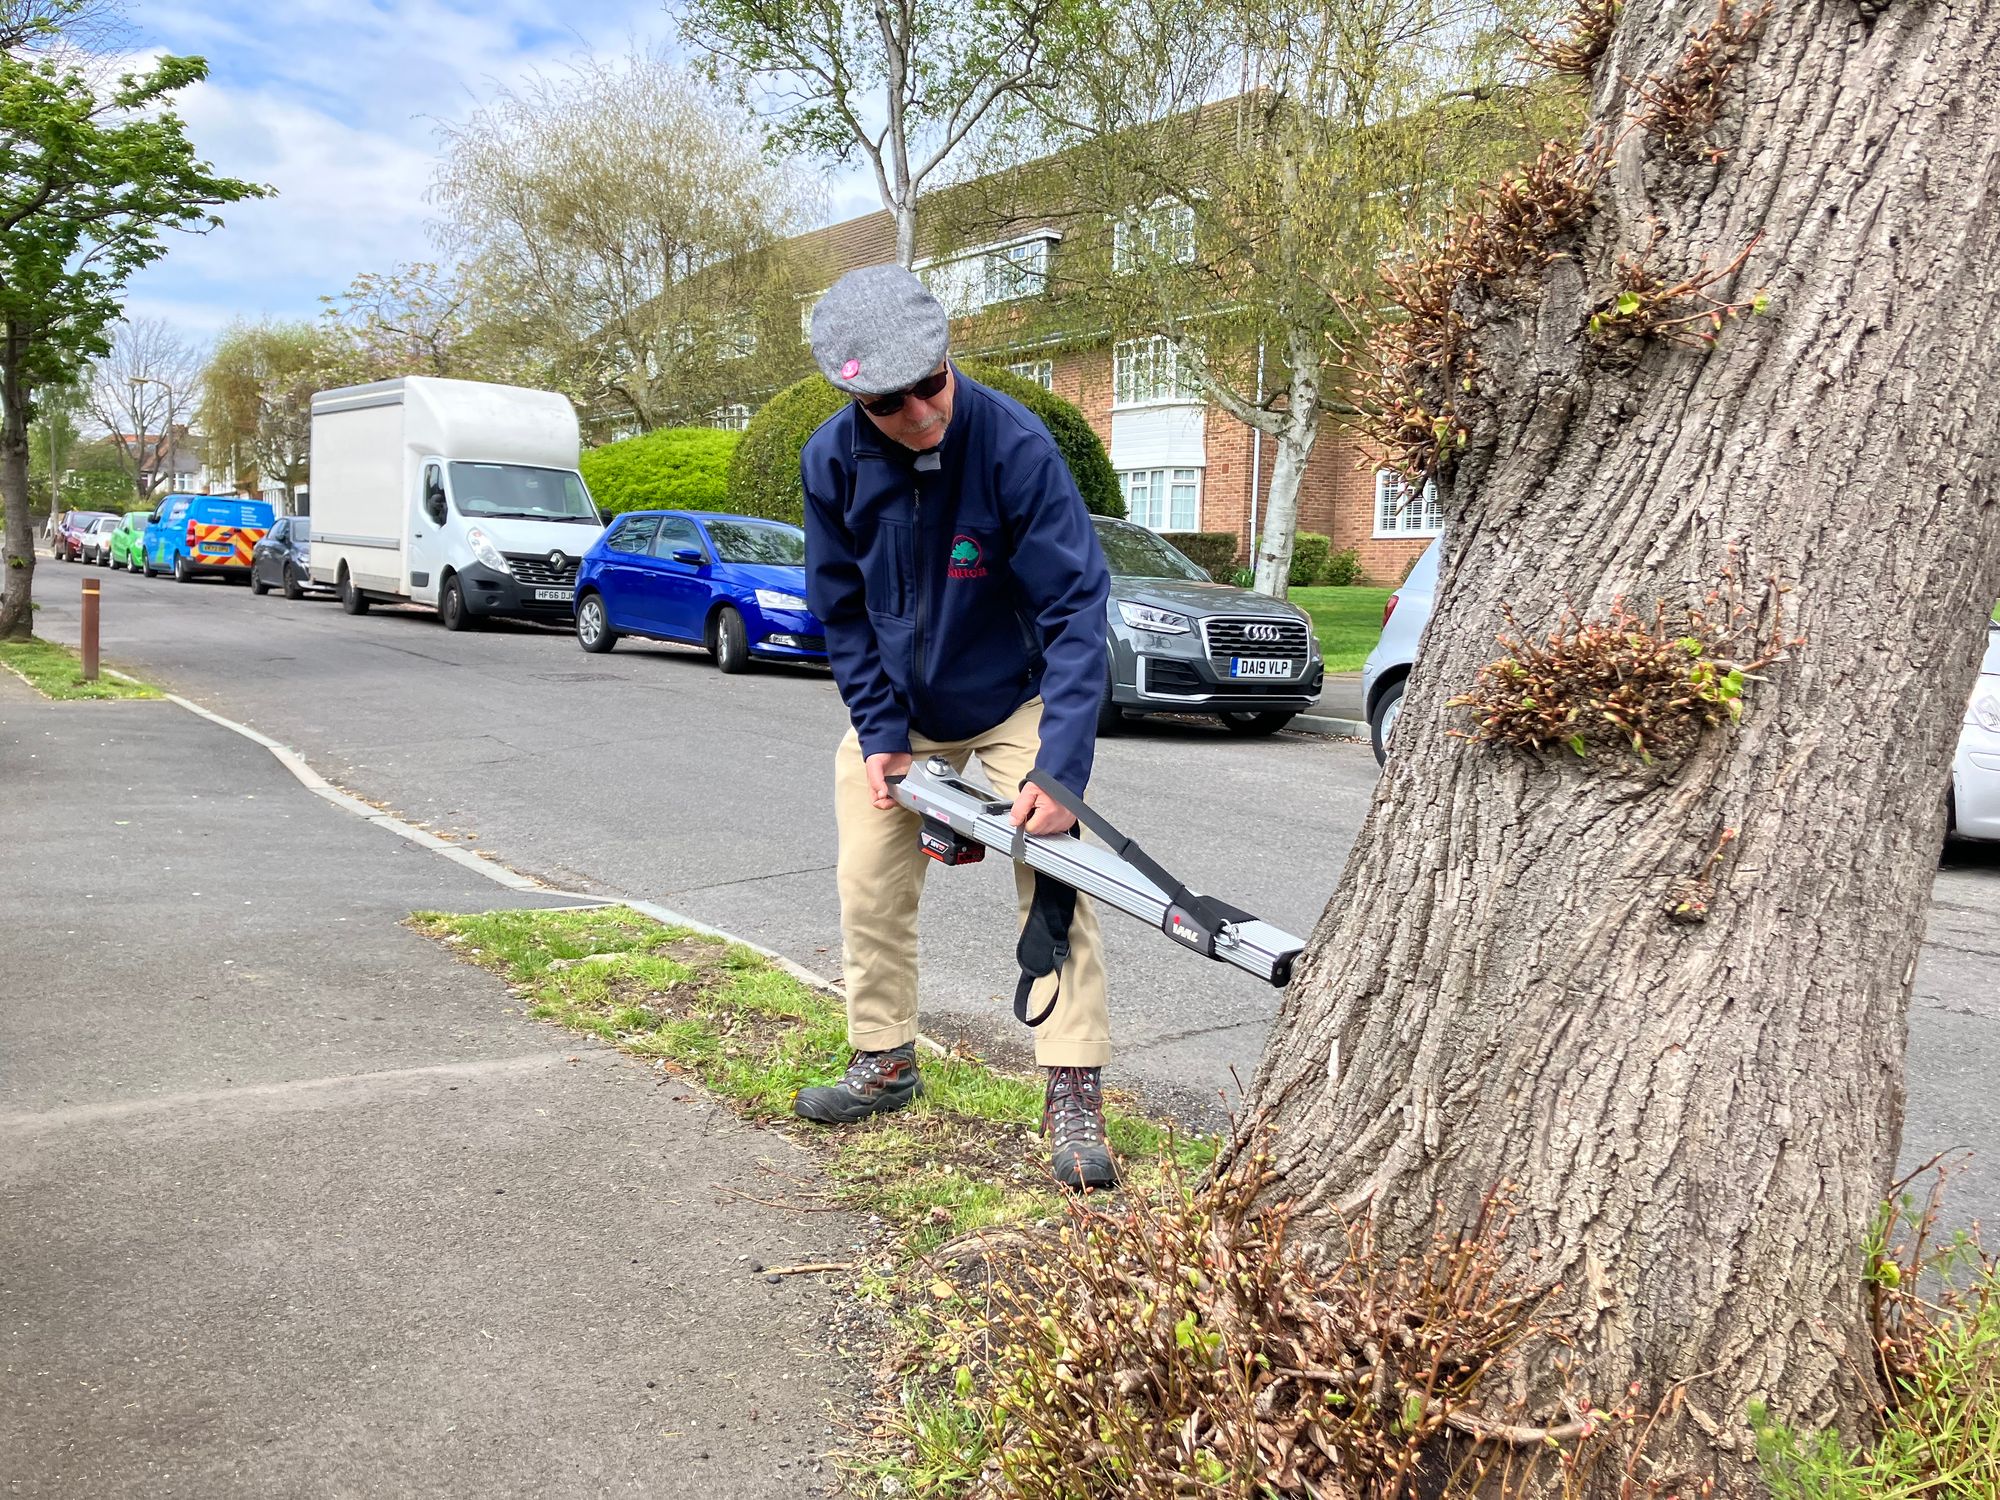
column 649, row 774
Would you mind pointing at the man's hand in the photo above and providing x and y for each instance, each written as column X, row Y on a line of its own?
column 1041, row 813
column 880, row 768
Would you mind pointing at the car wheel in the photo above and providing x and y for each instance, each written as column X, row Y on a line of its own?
column 351, row 598
column 257, row 585
column 145, row 565
column 732, row 642
column 1382, row 720
column 451, row 606
column 292, row 589
column 182, row 572
column 593, row 625
column 1110, row 717
column 1252, row 724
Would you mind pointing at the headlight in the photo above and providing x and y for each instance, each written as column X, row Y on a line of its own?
column 483, row 549
column 776, row 599
column 1986, row 706
column 1151, row 617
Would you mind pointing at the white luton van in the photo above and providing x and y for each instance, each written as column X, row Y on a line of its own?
column 452, row 493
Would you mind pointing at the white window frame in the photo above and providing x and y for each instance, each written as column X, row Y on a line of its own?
column 1041, row 371
column 1147, row 372
column 1399, row 514
column 806, row 306
column 1165, row 221
column 1160, row 485
column 970, row 281
column 734, row 417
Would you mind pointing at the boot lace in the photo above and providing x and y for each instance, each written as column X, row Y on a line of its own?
column 1074, row 1112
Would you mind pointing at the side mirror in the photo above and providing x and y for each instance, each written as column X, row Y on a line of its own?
column 691, row 555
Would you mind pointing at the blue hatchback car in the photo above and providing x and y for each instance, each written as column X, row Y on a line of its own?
column 733, row 584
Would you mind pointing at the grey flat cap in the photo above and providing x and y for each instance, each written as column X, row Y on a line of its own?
column 878, row 330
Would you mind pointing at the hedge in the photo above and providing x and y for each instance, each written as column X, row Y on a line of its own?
column 1343, row 568
column 764, row 473
column 1214, row 550
column 1315, row 562
column 672, row 468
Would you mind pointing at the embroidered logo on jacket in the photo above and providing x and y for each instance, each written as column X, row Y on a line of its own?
column 967, row 561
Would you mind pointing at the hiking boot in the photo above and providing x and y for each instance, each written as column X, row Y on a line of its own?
column 875, row 1083
column 1073, row 1120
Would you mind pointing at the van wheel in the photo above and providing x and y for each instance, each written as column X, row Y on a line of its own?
column 732, row 642
column 182, row 572
column 451, row 606
column 146, row 565
column 351, row 598
column 292, row 589
column 593, row 625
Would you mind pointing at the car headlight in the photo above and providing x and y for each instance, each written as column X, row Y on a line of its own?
column 1986, row 706
column 778, row 599
column 484, row 550
column 1152, row 617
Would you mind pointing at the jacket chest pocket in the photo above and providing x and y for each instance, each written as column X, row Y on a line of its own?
column 891, row 581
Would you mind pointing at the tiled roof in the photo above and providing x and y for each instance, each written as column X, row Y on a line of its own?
column 867, row 241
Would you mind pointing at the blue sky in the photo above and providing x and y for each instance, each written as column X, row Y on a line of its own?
column 335, row 104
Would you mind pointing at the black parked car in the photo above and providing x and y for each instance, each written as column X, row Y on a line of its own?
column 283, row 559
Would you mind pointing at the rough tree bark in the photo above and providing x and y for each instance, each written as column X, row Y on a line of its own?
column 1700, row 1119
column 18, row 549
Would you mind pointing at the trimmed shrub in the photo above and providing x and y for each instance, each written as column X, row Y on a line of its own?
column 1082, row 449
column 1343, row 569
column 673, row 468
column 764, row 473
column 1309, row 554
column 1214, row 550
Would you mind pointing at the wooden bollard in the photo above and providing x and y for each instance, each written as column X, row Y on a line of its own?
column 90, row 630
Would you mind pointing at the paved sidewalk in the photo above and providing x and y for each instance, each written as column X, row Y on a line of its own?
column 292, row 1204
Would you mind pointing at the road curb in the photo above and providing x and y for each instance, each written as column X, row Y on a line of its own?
column 1347, row 729
column 492, row 869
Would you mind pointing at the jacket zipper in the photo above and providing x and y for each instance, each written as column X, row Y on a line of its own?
column 917, row 678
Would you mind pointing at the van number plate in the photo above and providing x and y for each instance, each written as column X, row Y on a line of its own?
column 558, row 595
column 1260, row 666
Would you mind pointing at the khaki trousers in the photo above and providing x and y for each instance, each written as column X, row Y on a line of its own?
column 882, row 876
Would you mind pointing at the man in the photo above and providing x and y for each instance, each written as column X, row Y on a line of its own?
column 963, row 592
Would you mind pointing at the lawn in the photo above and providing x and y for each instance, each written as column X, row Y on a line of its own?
column 1347, row 620
column 57, row 672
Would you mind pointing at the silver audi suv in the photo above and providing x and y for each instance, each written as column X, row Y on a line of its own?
column 1182, row 643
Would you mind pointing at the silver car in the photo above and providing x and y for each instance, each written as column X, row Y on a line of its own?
column 1182, row 643
column 1974, row 801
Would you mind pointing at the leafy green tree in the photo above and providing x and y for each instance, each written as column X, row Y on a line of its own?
column 424, row 318
column 256, row 399
column 52, row 439
column 91, row 177
column 902, row 86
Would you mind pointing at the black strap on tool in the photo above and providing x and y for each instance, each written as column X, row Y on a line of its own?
column 1194, row 919
column 1044, row 946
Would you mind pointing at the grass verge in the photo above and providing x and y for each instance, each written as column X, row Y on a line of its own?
column 57, row 672
column 1348, row 622
column 967, row 1156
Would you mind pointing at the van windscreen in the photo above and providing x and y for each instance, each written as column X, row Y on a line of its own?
column 517, row 491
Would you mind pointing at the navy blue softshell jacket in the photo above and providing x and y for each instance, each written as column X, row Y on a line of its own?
column 952, row 595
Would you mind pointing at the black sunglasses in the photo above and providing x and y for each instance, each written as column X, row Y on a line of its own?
column 923, row 390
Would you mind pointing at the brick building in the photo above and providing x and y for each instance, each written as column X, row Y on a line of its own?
column 1184, row 464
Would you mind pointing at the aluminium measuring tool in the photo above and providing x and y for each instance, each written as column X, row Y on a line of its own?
column 961, row 822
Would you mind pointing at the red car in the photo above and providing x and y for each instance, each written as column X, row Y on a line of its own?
column 68, row 542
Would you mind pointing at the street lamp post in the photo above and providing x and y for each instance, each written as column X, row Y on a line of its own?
column 167, row 437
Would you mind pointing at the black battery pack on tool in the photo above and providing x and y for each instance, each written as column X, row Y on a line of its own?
column 947, row 846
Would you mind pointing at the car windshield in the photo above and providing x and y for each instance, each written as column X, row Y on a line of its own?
column 518, row 491
column 301, row 532
column 770, row 542
column 1134, row 552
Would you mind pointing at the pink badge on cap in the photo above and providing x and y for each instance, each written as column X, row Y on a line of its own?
column 851, row 369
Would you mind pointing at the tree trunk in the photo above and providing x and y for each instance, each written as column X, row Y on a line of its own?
column 1272, row 560
column 18, row 550
column 1700, row 1119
